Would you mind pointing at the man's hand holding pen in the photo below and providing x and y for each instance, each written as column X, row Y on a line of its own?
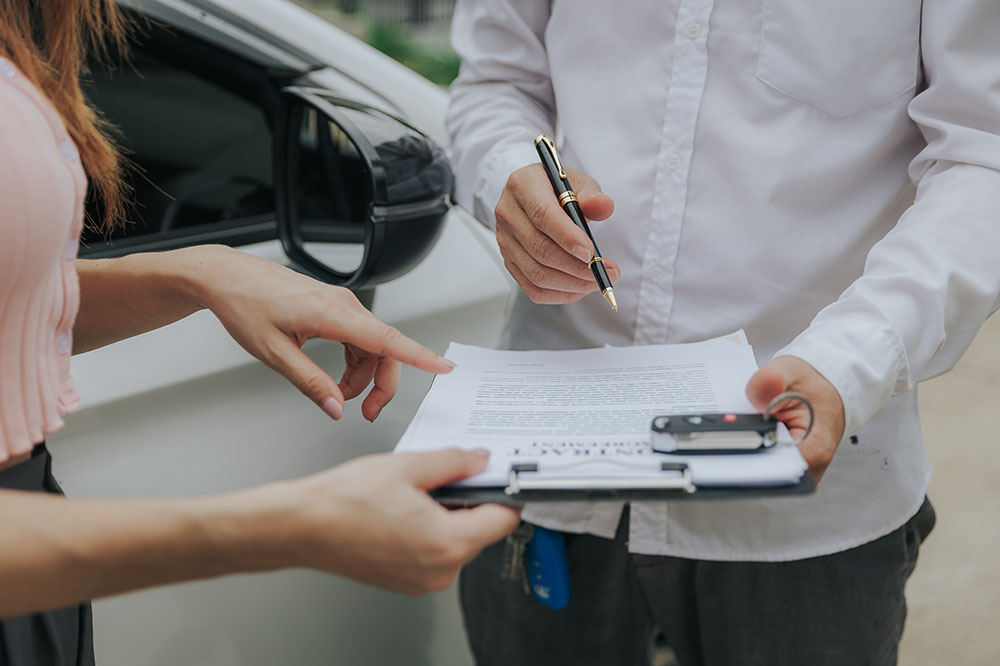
column 543, row 250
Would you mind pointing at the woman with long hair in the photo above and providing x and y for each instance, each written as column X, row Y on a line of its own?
column 369, row 519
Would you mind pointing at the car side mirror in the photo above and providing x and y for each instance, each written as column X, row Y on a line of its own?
column 361, row 195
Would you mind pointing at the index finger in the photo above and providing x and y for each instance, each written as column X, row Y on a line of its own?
column 535, row 196
column 368, row 333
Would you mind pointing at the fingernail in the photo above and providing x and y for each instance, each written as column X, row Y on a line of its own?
column 333, row 408
column 451, row 365
column 482, row 453
column 614, row 275
column 581, row 253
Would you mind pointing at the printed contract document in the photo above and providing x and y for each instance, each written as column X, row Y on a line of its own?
column 586, row 413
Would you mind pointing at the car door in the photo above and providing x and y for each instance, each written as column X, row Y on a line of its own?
column 185, row 411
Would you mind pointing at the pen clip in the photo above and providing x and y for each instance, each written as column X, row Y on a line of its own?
column 547, row 140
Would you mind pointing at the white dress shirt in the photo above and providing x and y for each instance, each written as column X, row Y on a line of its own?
column 825, row 175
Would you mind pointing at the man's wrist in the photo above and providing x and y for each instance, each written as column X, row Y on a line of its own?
column 862, row 363
column 500, row 164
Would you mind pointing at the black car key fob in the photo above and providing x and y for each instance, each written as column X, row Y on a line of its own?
column 713, row 433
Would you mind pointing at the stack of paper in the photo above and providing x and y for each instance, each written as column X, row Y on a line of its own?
column 586, row 413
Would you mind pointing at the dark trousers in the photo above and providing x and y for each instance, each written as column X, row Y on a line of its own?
column 62, row 637
column 845, row 609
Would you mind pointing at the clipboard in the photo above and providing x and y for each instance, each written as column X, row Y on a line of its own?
column 547, row 444
column 673, row 481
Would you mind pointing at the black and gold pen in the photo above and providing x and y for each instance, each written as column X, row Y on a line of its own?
column 546, row 148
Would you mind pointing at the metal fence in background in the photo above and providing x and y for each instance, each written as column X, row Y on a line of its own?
column 401, row 11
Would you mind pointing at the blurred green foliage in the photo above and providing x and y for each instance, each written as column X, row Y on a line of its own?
column 438, row 65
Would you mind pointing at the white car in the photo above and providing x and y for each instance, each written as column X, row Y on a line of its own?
column 220, row 98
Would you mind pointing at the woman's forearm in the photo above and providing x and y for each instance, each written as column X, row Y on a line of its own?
column 369, row 519
column 130, row 295
column 56, row 552
column 270, row 310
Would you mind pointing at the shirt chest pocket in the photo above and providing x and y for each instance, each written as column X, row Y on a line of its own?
column 840, row 56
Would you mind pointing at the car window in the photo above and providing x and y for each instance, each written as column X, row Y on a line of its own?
column 194, row 125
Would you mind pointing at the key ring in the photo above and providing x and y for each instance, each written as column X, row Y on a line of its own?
column 791, row 395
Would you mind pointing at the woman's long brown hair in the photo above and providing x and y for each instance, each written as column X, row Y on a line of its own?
column 48, row 40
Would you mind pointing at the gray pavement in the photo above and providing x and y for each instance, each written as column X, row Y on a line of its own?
column 957, row 580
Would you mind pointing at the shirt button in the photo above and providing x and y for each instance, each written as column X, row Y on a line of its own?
column 64, row 344
column 655, row 274
column 69, row 249
column 674, row 161
column 7, row 69
column 694, row 30
column 68, row 150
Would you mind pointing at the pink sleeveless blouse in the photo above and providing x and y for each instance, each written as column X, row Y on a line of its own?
column 42, row 190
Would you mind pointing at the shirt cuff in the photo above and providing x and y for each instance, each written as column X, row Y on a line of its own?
column 863, row 363
column 503, row 160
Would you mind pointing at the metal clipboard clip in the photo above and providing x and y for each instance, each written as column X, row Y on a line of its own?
column 656, row 480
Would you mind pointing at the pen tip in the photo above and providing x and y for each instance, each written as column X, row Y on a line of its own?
column 609, row 294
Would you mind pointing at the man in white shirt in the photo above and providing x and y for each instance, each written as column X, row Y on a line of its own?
column 824, row 175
